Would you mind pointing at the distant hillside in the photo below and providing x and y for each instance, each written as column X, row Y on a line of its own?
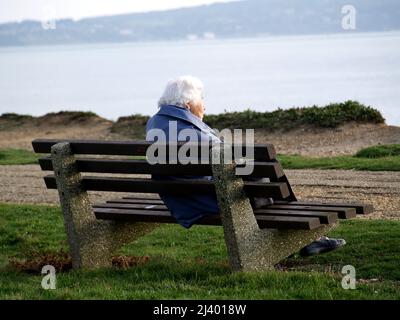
column 63, row 118
column 246, row 18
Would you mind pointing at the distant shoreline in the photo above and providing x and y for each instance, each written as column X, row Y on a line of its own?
column 232, row 19
column 261, row 37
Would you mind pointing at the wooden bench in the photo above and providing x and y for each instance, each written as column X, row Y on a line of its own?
column 256, row 240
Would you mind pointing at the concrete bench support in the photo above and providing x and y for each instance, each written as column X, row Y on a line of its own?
column 249, row 247
column 92, row 242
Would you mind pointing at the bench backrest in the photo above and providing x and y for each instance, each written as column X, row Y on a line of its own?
column 265, row 165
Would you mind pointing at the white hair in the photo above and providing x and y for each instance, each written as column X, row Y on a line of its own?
column 182, row 90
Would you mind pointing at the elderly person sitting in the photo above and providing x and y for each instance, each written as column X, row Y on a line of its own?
column 182, row 106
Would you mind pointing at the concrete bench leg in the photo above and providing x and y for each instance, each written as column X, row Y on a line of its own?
column 249, row 247
column 92, row 242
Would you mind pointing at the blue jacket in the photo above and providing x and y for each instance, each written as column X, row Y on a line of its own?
column 186, row 209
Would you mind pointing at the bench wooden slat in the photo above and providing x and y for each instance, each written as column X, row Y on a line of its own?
column 273, row 222
column 281, row 222
column 261, row 169
column 343, row 212
column 262, row 152
column 138, row 206
column 324, row 217
column 147, row 197
column 136, row 201
column 273, row 190
column 361, row 208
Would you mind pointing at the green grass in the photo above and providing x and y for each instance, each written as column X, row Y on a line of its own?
column 17, row 156
column 373, row 248
column 192, row 264
column 391, row 163
column 380, row 151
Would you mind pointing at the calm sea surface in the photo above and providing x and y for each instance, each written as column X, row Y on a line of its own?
column 262, row 74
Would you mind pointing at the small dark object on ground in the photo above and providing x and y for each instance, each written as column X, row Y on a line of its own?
column 321, row 246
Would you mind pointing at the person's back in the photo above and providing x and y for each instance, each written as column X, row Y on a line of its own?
column 179, row 119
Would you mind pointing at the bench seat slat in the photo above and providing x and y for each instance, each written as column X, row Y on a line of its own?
column 361, row 208
column 324, row 217
column 138, row 206
column 261, row 169
column 274, row 190
column 343, row 212
column 262, row 152
column 273, row 222
column 147, row 197
column 137, row 201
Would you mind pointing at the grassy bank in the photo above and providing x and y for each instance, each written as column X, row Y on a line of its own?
column 17, row 156
column 374, row 158
column 67, row 115
column 329, row 116
column 344, row 162
column 133, row 126
column 380, row 151
column 193, row 264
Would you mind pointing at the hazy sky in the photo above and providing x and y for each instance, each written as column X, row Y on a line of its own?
column 17, row 10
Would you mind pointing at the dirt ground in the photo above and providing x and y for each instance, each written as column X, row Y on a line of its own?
column 24, row 184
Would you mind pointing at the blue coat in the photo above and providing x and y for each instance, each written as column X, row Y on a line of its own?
column 186, row 209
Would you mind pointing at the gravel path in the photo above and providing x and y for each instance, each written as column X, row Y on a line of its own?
column 24, row 184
